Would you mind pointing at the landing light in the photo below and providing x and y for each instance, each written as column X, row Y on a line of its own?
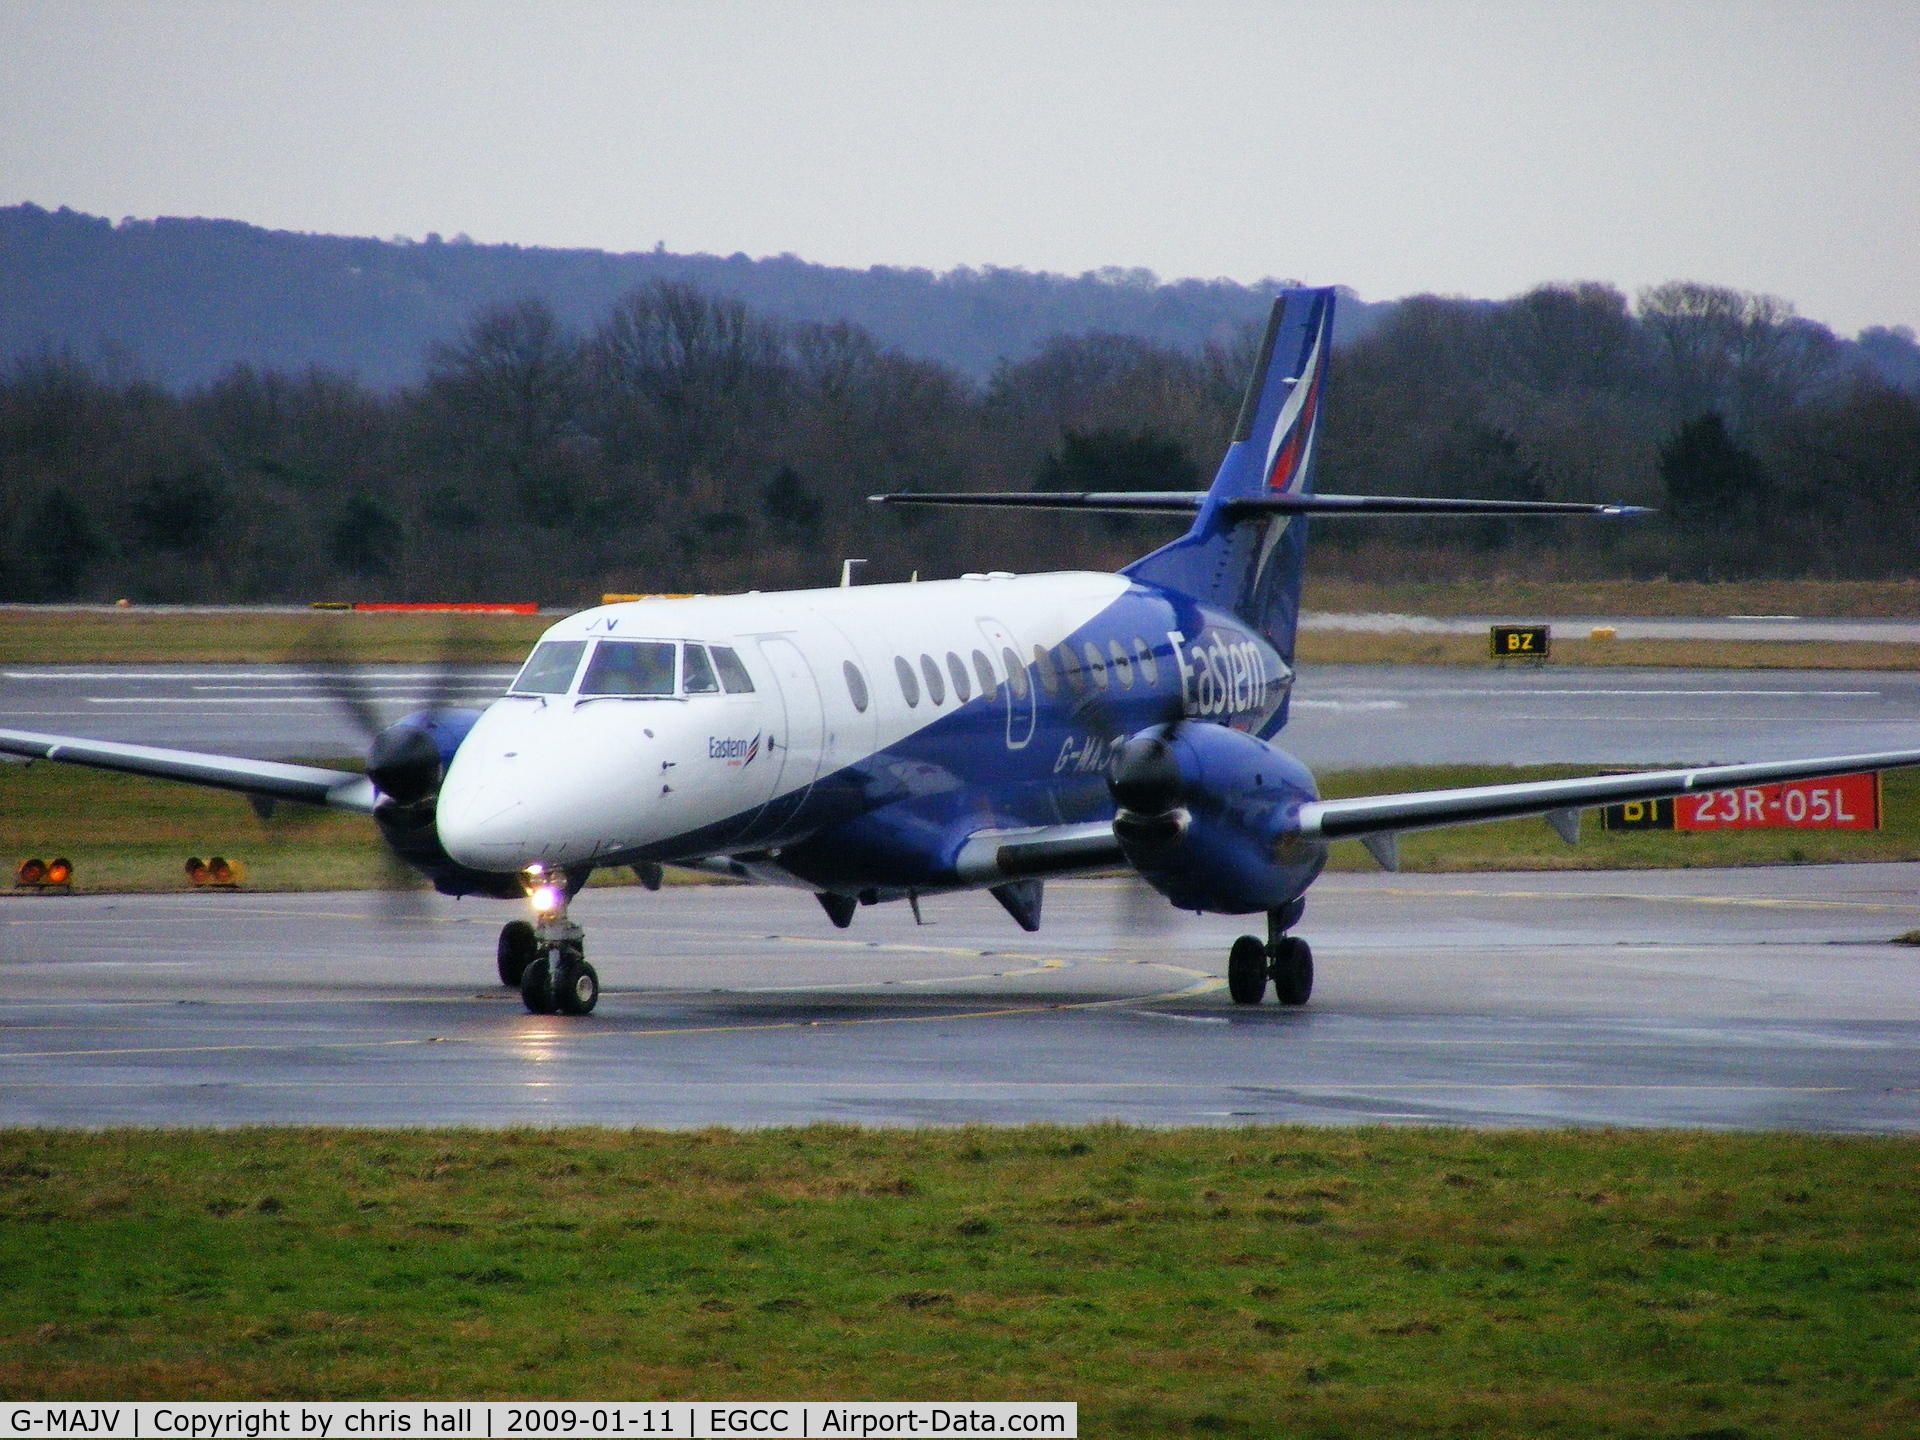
column 546, row 889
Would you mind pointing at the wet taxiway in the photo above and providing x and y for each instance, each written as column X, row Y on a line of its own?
column 1745, row 998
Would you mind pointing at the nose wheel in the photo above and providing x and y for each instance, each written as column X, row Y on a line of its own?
column 561, row 982
column 547, row 958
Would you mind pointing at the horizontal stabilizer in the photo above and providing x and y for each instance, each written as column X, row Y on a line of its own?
column 1278, row 502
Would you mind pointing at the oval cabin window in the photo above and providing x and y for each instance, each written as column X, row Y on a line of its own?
column 1043, row 664
column 1096, row 667
column 1122, row 667
column 962, row 683
column 1143, row 657
column 1070, row 670
column 909, row 687
column 983, row 667
column 1016, row 673
column 856, row 686
column 936, row 687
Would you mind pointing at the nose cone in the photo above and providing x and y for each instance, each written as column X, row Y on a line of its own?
column 483, row 824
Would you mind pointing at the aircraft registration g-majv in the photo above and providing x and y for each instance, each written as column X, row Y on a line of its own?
column 884, row 742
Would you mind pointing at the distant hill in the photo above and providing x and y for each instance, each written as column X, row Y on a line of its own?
column 182, row 300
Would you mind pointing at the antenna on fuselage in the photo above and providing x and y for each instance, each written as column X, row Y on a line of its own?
column 846, row 573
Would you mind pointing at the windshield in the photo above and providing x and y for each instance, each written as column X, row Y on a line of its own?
column 630, row 667
column 549, row 670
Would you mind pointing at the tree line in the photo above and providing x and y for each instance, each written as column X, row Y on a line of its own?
column 688, row 442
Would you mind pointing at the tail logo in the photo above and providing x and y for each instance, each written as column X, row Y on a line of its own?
column 1293, row 431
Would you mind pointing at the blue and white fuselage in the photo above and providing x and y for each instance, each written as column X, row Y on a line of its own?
column 887, row 728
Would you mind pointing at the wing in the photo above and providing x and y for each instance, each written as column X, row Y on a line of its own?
column 1375, row 818
column 264, row 779
column 993, row 856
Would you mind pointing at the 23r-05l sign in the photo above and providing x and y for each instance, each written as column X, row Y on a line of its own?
column 1839, row 802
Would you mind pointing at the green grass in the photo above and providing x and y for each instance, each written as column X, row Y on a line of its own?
column 1344, row 647
column 1513, row 595
column 1251, row 1282
column 81, row 637
column 127, row 834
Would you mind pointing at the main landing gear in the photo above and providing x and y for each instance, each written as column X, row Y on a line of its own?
column 1285, row 959
column 546, row 959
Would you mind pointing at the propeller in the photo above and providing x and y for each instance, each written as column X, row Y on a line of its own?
column 1143, row 776
column 402, row 762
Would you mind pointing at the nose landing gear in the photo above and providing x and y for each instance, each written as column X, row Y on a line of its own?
column 548, row 958
column 1285, row 959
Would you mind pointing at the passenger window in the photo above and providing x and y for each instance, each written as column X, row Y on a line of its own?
column 1122, row 667
column 549, row 670
column 1143, row 657
column 1070, row 670
column 856, row 685
column 733, row 674
column 909, row 686
column 1096, row 667
column 696, row 674
column 1016, row 672
column 983, row 667
column 936, row 687
column 1049, row 677
column 630, row 667
column 962, row 686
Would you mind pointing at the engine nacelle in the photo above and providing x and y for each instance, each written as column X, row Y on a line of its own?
column 406, row 764
column 1209, row 817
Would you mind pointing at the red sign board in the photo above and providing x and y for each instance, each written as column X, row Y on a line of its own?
column 1839, row 802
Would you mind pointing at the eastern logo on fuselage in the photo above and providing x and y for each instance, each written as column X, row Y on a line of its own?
column 737, row 753
column 1229, row 675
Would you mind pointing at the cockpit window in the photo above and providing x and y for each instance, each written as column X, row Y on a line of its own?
column 549, row 670
column 696, row 674
column 733, row 674
column 630, row 667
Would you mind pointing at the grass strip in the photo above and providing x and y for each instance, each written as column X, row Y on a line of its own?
column 1266, row 1281
column 128, row 834
column 1344, row 647
column 85, row 637
column 1543, row 599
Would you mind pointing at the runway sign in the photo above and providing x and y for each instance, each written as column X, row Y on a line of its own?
column 1519, row 642
column 1839, row 802
column 1639, row 815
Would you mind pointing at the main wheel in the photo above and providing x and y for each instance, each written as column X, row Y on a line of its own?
column 1293, row 971
column 1247, row 971
column 516, row 951
column 535, row 991
column 579, row 988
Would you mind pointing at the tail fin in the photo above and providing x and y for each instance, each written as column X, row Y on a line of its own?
column 1251, row 562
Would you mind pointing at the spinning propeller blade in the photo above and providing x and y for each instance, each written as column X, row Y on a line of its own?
column 403, row 762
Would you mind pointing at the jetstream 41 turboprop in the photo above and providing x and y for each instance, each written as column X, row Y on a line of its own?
column 891, row 741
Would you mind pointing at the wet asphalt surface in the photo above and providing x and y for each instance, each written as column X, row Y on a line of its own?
column 1759, row 998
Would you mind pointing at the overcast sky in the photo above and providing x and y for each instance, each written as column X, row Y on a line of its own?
column 1465, row 149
